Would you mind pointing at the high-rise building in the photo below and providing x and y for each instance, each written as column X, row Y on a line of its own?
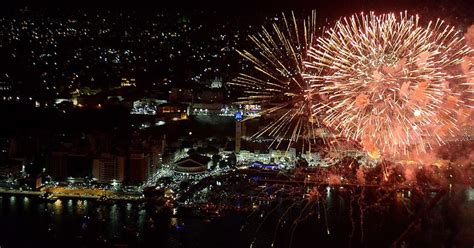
column 109, row 167
column 58, row 165
column 78, row 165
column 155, row 157
column 63, row 164
column 138, row 167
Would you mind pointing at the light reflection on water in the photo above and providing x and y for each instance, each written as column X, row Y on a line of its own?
column 71, row 217
column 141, row 220
column 70, row 208
column 80, row 207
column 75, row 217
column 26, row 203
column 113, row 220
column 57, row 208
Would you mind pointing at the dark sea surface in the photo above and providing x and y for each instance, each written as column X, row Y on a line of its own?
column 30, row 222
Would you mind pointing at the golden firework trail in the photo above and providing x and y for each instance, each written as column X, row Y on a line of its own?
column 391, row 83
column 275, row 80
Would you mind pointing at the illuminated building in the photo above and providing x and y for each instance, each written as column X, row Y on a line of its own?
column 108, row 167
column 146, row 106
column 193, row 164
column 216, row 83
column 206, row 109
column 252, row 109
column 126, row 82
column 174, row 111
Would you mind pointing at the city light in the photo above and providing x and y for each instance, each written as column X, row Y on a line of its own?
column 239, row 124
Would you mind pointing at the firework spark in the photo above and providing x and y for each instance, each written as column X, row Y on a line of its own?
column 391, row 83
column 275, row 80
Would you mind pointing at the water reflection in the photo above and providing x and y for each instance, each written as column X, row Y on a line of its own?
column 26, row 203
column 138, row 224
column 69, row 207
column 80, row 207
column 57, row 207
column 13, row 204
column 141, row 220
column 114, row 220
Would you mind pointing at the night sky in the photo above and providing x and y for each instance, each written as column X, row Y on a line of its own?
column 461, row 8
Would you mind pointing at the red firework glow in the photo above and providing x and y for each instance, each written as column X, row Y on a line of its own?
column 394, row 85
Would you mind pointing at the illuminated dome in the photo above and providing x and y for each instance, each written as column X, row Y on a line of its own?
column 192, row 164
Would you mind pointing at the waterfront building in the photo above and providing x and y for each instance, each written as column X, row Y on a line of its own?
column 63, row 164
column 108, row 167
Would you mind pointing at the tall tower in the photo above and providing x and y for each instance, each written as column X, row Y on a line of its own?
column 238, row 131
column 238, row 135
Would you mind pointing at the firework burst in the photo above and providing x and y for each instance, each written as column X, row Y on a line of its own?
column 275, row 80
column 390, row 83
